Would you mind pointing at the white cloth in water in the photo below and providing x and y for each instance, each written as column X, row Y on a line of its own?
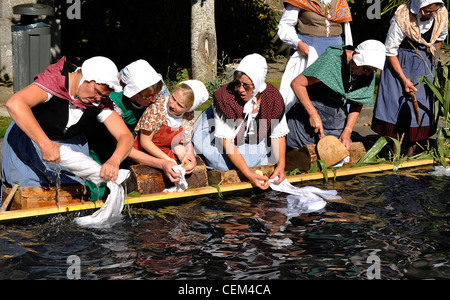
column 303, row 200
column 182, row 184
column 84, row 166
column 440, row 171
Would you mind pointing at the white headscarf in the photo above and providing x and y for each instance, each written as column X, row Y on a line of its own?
column 201, row 94
column 416, row 5
column 102, row 70
column 255, row 67
column 138, row 76
column 370, row 53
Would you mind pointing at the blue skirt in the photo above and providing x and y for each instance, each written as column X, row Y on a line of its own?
column 393, row 105
column 300, row 131
column 22, row 161
column 210, row 149
column 320, row 43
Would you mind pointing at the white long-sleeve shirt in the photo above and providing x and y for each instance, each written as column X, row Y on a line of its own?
column 395, row 36
column 287, row 28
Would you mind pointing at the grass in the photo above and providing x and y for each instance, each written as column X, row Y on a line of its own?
column 4, row 122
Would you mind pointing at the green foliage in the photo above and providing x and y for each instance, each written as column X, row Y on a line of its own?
column 180, row 74
column 440, row 86
column 4, row 123
column 371, row 154
column 323, row 167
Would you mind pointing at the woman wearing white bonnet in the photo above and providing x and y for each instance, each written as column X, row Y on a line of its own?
column 142, row 86
column 246, row 126
column 412, row 47
column 331, row 93
column 57, row 109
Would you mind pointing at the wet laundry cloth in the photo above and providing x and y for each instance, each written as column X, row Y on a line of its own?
column 181, row 185
column 85, row 167
column 440, row 171
column 303, row 200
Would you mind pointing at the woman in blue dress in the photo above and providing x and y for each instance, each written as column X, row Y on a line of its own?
column 412, row 48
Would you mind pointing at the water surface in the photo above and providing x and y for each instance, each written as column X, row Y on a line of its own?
column 403, row 220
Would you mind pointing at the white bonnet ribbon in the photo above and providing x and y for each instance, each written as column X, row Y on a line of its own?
column 249, row 106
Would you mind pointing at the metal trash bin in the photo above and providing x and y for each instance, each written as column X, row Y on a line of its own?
column 31, row 42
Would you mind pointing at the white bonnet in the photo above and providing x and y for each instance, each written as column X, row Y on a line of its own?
column 138, row 76
column 255, row 67
column 201, row 94
column 370, row 53
column 102, row 70
column 416, row 5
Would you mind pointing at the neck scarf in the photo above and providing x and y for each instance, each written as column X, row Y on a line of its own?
column 328, row 69
column 341, row 14
column 408, row 23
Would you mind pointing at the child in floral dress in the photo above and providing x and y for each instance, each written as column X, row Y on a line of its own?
column 165, row 128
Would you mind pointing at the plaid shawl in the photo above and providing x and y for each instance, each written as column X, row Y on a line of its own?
column 229, row 105
column 53, row 81
column 407, row 21
column 341, row 14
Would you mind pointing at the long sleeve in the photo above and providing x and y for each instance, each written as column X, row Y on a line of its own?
column 286, row 27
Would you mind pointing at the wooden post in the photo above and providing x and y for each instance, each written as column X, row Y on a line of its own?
column 8, row 199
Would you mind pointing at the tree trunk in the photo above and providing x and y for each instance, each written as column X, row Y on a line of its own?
column 203, row 41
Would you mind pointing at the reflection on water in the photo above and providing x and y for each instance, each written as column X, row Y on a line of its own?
column 400, row 219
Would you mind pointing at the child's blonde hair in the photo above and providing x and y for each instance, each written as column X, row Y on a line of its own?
column 188, row 94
